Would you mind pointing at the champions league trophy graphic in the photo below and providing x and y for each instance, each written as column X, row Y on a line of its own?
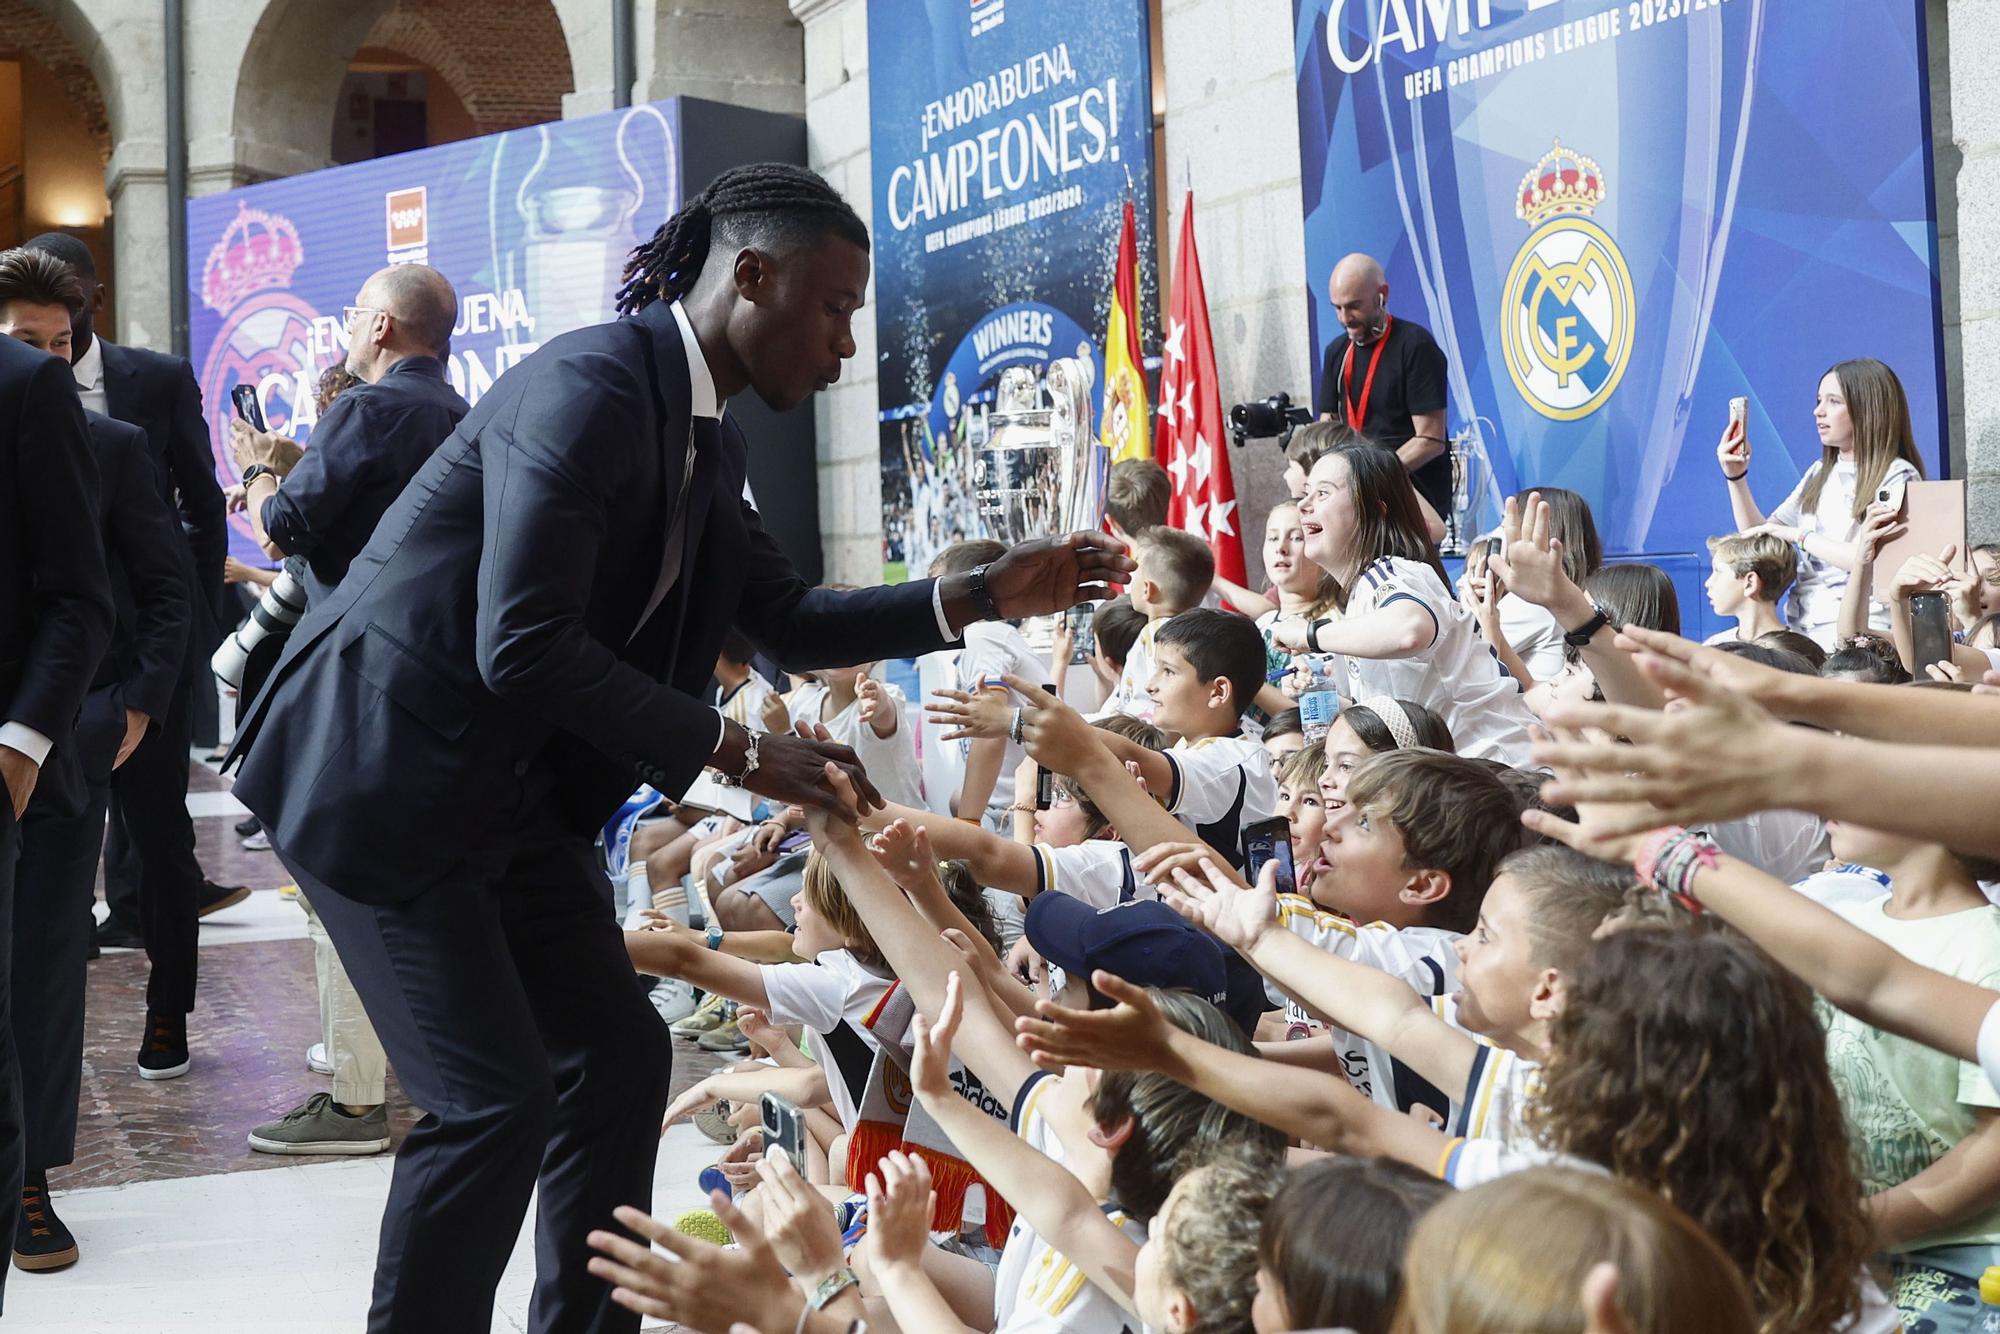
column 1041, row 471
column 1471, row 479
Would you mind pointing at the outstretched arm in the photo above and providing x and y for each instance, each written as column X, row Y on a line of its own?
column 996, row 862
column 1324, row 1110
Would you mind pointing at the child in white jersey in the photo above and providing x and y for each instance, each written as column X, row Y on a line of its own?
column 1173, row 575
column 1398, row 630
column 867, row 714
column 1748, row 577
column 1866, row 447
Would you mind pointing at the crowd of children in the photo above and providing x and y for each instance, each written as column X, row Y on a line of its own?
column 1369, row 950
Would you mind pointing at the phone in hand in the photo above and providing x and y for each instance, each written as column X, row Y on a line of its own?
column 1893, row 492
column 1739, row 411
column 784, row 1129
column 247, row 407
column 1045, row 779
column 1267, row 841
column 1930, row 632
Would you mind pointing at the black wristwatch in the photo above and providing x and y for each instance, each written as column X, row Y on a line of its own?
column 256, row 470
column 1583, row 634
column 982, row 597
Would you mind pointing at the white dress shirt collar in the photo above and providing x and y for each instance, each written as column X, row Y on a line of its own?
column 89, row 368
column 701, row 383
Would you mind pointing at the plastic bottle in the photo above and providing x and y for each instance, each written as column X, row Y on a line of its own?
column 1319, row 702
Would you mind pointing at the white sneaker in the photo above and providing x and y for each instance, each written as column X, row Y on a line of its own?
column 316, row 1059
column 257, row 842
column 674, row 999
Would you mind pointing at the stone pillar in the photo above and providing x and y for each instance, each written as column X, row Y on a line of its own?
column 847, row 415
column 1974, row 49
column 586, row 26
column 136, row 182
column 1232, row 135
column 747, row 53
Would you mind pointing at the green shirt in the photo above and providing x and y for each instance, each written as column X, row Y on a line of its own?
column 1906, row 1104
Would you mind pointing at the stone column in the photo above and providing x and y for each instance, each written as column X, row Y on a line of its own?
column 1974, row 50
column 744, row 52
column 846, row 416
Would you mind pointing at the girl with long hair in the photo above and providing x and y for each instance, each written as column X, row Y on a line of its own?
column 1866, row 446
column 1394, row 627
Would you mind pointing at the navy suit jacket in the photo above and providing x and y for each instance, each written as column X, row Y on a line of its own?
column 157, row 393
column 55, row 597
column 478, row 665
column 372, row 439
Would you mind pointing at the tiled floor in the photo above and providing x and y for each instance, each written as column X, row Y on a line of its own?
column 181, row 1226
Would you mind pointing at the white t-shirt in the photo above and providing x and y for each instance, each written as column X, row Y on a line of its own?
column 1220, row 784
column 1536, row 635
column 1422, row 956
column 891, row 761
column 744, row 705
column 1097, row 871
column 1456, row 676
column 1036, row 1290
column 1989, row 1045
column 1814, row 606
column 1845, row 885
column 994, row 649
column 1129, row 696
column 1789, row 845
column 820, row 996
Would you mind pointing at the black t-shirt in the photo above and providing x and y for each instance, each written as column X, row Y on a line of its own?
column 1408, row 383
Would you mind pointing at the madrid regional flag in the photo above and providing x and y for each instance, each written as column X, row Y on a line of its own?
column 1192, row 446
column 1126, row 426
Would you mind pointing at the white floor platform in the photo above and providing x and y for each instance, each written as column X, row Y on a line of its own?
column 285, row 1251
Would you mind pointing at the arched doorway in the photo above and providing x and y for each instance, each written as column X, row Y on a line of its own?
column 55, row 134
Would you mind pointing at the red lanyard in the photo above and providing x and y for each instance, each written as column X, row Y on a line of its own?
column 1355, row 418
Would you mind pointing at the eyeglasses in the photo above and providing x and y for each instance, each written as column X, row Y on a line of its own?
column 347, row 313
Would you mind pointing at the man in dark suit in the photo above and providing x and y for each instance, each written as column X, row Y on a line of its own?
column 524, row 639
column 367, row 446
column 153, row 885
column 55, row 621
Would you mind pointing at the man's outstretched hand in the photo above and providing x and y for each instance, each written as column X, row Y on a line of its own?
column 791, row 767
column 1052, row 574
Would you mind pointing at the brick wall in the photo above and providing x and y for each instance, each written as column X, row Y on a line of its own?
column 27, row 31
column 508, row 63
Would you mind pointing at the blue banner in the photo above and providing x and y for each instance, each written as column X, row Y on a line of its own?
column 531, row 226
column 1615, row 217
column 1006, row 138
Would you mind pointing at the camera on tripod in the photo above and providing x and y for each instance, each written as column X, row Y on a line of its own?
column 1271, row 417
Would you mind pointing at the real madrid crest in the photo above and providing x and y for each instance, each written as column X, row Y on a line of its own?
column 1567, row 313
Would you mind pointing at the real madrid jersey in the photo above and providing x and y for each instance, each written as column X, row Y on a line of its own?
column 1457, row 676
column 1036, row 1290
column 1219, row 785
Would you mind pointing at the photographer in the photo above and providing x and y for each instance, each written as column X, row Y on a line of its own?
column 1384, row 377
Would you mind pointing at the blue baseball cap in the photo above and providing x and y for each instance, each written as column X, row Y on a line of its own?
column 1147, row 944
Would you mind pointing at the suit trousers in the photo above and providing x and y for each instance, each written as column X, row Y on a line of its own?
column 12, row 1133
column 511, row 1012
column 150, row 871
column 53, row 887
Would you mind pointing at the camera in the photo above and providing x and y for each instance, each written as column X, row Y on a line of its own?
column 1273, row 416
column 261, row 636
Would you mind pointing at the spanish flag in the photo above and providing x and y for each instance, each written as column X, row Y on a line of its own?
column 1127, row 425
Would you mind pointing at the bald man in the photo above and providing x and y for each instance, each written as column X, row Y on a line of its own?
column 1384, row 376
column 323, row 503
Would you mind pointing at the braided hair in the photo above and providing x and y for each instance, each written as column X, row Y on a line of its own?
column 770, row 204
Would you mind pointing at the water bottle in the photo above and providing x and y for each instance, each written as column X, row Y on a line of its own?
column 1989, row 1301
column 1319, row 703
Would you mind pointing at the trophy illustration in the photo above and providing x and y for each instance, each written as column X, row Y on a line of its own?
column 1471, row 479
column 1040, row 470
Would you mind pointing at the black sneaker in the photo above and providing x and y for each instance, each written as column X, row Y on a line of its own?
column 214, row 898
column 115, row 935
column 164, row 1054
column 248, row 826
column 41, row 1242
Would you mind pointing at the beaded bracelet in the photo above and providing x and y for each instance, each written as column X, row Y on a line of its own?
column 1668, row 860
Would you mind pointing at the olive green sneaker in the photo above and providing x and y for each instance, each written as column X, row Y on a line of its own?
column 709, row 1014
column 725, row 1037
column 318, row 1126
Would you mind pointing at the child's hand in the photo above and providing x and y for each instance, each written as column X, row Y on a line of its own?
column 1945, row 671
column 904, row 851
column 1026, row 775
column 700, row 1285
column 1133, row 1036
column 1529, row 558
column 1061, row 644
column 1025, row 965
column 829, row 827
column 1290, row 634
column 739, row 1161
column 1921, row 573
column 777, row 714
column 1732, row 452
column 1157, row 864
column 760, row 1031
column 799, row 1221
column 981, row 716
column 900, row 1206
column 1221, row 903
column 1056, row 736
column 698, row 1098
column 1880, row 526
column 930, row 1070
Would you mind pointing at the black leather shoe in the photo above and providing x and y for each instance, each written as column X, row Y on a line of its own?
column 164, row 1053
column 112, row 935
column 214, row 898
column 41, row 1242
column 248, row 825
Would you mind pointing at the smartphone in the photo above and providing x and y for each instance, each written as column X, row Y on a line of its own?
column 795, row 841
column 1271, row 840
column 247, row 407
column 1739, row 411
column 1045, row 780
column 1930, row 632
column 1083, row 638
column 784, row 1129
column 1893, row 492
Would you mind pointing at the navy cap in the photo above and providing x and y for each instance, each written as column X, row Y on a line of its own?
column 1147, row 944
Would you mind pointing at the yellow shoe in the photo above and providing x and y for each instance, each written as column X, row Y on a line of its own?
column 288, row 891
column 704, row 1225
